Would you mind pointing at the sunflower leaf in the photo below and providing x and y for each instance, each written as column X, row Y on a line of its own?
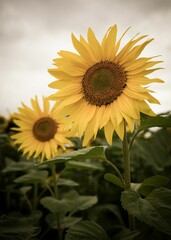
column 33, row 177
column 66, row 222
column 85, row 165
column 151, row 183
column 154, row 210
column 156, row 121
column 86, row 230
column 15, row 229
column 97, row 152
column 113, row 179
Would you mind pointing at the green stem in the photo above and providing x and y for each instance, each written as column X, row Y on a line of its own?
column 126, row 157
column 127, row 174
column 56, row 194
column 35, row 198
column 116, row 171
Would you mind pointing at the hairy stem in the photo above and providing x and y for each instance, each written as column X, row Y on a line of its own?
column 127, row 174
column 56, row 194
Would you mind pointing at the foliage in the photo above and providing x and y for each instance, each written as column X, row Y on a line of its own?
column 91, row 200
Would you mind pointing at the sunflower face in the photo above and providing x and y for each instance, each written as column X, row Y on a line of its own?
column 45, row 129
column 103, row 85
column 40, row 132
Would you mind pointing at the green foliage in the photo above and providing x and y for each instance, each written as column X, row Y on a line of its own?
column 113, row 179
column 15, row 229
column 89, row 191
column 34, row 176
column 86, row 230
column 97, row 152
column 152, row 183
column 163, row 120
column 154, row 210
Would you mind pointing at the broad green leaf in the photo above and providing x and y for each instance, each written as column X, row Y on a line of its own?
column 85, row 202
column 60, row 207
column 25, row 189
column 154, row 210
column 71, row 202
column 33, row 218
column 67, row 182
column 156, row 121
column 86, row 165
column 18, row 166
column 79, row 202
column 66, row 222
column 153, row 151
column 69, row 222
column 85, row 153
column 86, row 230
column 113, row 179
column 105, row 212
column 35, row 176
column 151, row 183
column 15, row 229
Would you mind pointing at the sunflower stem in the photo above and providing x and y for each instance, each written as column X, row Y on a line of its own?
column 127, row 174
column 56, row 195
column 35, row 198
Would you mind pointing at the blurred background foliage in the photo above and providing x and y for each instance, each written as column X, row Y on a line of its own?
column 91, row 202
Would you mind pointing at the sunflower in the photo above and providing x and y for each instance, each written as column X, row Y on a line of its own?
column 102, row 85
column 40, row 132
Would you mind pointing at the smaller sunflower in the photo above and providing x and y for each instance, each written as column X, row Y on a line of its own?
column 40, row 132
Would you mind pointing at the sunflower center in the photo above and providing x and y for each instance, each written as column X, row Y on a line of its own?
column 103, row 83
column 45, row 129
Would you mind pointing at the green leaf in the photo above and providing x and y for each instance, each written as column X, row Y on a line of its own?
column 33, row 177
column 85, row 153
column 66, row 222
column 71, row 202
column 157, row 121
column 149, row 184
column 25, row 189
column 14, row 229
column 154, row 210
column 67, row 182
column 86, row 165
column 18, row 166
column 60, row 207
column 113, row 179
column 106, row 212
column 33, row 218
column 150, row 154
column 79, row 202
column 86, row 230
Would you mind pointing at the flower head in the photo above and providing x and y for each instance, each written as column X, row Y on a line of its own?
column 103, row 85
column 41, row 133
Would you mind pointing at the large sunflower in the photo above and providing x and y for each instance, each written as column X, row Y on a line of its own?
column 102, row 86
column 40, row 132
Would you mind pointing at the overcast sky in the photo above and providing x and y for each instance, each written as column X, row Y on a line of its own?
column 32, row 32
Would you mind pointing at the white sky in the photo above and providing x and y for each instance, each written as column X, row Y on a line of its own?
column 32, row 32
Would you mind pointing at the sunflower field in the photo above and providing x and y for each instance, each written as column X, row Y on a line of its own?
column 97, row 164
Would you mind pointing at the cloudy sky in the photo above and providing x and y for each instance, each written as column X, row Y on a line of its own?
column 32, row 32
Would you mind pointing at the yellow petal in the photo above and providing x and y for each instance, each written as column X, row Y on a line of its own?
column 127, row 48
column 108, row 43
column 85, row 118
column 82, row 51
column 108, row 131
column 144, row 108
column 94, row 45
column 126, row 105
